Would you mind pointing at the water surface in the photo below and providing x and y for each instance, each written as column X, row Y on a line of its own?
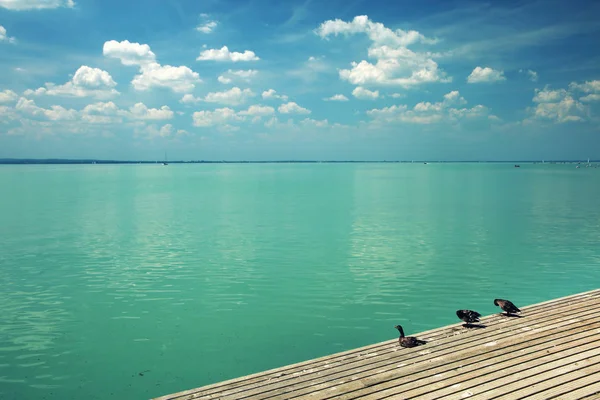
column 133, row 281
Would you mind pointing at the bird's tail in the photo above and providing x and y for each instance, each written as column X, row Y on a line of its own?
column 421, row 342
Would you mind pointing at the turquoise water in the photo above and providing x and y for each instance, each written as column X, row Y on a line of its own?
column 133, row 281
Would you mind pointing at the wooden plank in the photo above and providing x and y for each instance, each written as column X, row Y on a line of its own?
column 453, row 354
column 585, row 388
column 524, row 383
column 501, row 376
column 387, row 362
column 506, row 355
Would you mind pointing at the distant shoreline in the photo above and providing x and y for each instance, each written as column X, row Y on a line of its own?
column 18, row 161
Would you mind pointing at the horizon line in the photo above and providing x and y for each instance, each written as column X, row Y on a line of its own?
column 105, row 161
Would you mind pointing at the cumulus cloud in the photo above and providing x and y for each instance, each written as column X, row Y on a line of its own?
column 592, row 88
column 272, row 94
column 8, row 96
column 152, row 74
column 190, row 99
column 559, row 106
column 292, row 108
column 395, row 63
column 227, row 119
column 86, row 82
column 258, row 110
column 142, row 112
column 336, row 97
column 220, row 116
column 54, row 113
column 93, row 118
column 233, row 96
column 365, row 94
column 485, row 74
column 129, row 53
column 447, row 110
column 243, row 75
column 4, row 36
column 223, row 54
column 179, row 79
column 376, row 31
column 21, row 5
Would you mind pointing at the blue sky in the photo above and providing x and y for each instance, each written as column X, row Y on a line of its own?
column 252, row 80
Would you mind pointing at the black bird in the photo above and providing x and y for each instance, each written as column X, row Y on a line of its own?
column 507, row 306
column 408, row 341
column 468, row 316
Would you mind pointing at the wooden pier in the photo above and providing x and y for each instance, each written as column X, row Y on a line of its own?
column 551, row 352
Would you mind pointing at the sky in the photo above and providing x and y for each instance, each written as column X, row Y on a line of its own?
column 311, row 80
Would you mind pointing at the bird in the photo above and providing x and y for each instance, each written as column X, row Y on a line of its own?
column 408, row 341
column 506, row 305
column 468, row 316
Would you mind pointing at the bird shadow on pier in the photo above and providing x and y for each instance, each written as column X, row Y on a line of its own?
column 511, row 315
column 474, row 326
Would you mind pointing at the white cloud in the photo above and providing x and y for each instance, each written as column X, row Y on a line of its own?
column 190, row 99
column 365, row 94
column 54, row 113
column 20, row 5
column 4, row 36
column 233, row 96
column 223, row 54
column 152, row 131
column 93, row 118
column 140, row 111
column 590, row 97
column 591, row 87
column 102, row 113
column 179, row 79
column 376, row 31
column 86, row 82
column 549, row 96
column 396, row 95
column 231, row 75
column 8, row 96
column 129, row 53
column 272, row 94
column 110, row 113
column 258, row 110
column 336, row 97
column 292, row 108
column 486, row 74
column 431, row 113
column 396, row 64
column 220, row 116
column 559, row 106
column 207, row 27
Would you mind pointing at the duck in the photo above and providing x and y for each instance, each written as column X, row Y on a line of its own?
column 408, row 341
column 469, row 316
column 506, row 305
